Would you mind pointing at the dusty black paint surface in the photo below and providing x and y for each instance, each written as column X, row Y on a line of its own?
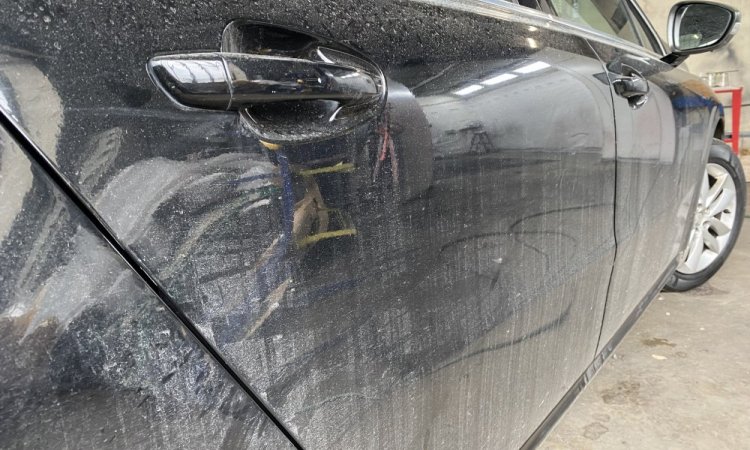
column 91, row 358
column 443, row 291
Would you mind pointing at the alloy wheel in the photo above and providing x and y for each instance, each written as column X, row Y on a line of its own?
column 713, row 222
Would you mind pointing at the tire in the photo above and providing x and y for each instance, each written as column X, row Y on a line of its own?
column 713, row 236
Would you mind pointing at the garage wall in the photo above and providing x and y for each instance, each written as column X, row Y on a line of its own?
column 736, row 56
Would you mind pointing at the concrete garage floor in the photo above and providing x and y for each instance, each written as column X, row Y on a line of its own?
column 680, row 379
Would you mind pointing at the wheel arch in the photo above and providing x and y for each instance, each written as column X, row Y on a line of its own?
column 719, row 129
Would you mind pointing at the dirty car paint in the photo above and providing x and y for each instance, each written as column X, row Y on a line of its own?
column 435, row 277
column 91, row 357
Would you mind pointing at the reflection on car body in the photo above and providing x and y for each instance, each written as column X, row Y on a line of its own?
column 440, row 256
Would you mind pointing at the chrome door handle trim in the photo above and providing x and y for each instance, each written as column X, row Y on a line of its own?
column 234, row 81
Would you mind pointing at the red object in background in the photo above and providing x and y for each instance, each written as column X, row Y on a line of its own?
column 736, row 110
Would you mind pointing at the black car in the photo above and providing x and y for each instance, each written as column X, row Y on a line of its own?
column 335, row 224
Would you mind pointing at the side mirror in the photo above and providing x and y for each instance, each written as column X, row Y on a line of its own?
column 697, row 27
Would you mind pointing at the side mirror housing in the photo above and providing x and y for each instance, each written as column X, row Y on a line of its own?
column 697, row 27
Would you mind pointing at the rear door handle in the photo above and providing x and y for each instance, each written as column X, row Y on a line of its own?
column 234, row 81
column 632, row 86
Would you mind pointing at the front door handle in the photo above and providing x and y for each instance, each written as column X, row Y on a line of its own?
column 234, row 81
column 289, row 87
column 632, row 86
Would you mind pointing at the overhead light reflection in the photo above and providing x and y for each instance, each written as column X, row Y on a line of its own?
column 468, row 89
column 324, row 57
column 533, row 67
column 532, row 42
column 498, row 79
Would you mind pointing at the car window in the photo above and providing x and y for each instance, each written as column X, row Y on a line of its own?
column 609, row 16
column 648, row 37
column 530, row 4
column 534, row 4
column 644, row 36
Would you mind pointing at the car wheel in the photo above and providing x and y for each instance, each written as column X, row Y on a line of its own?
column 717, row 221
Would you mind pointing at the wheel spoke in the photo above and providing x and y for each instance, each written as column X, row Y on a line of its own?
column 721, row 202
column 718, row 226
column 716, row 189
column 695, row 250
column 711, row 242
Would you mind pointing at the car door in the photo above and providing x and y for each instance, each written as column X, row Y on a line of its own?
column 415, row 254
column 90, row 356
column 665, row 121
